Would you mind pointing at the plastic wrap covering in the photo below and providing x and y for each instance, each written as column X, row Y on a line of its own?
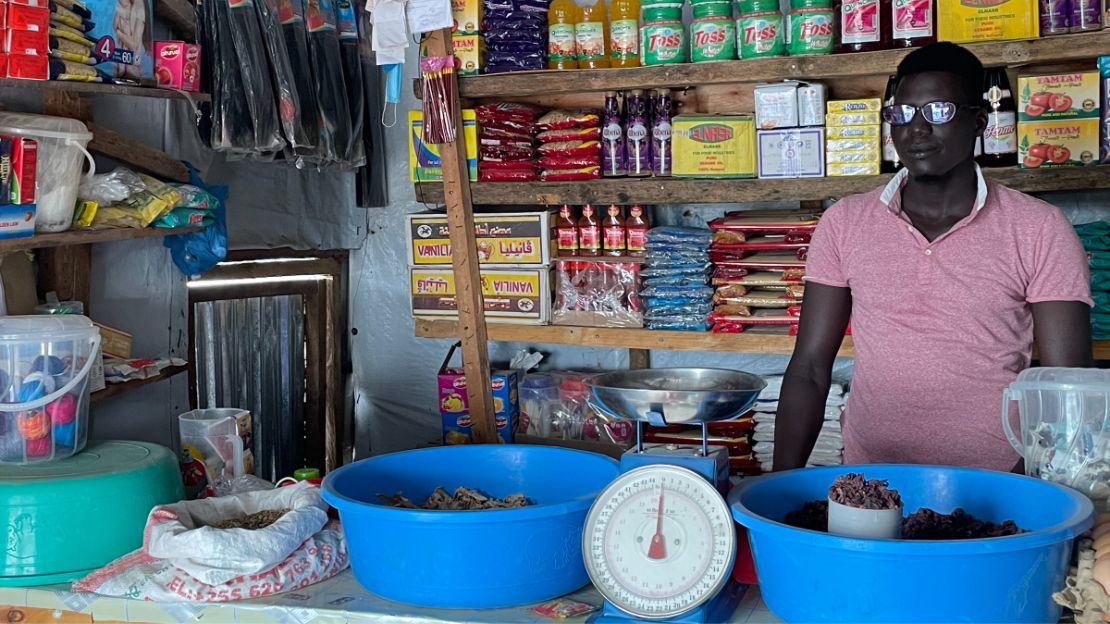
column 331, row 90
column 291, row 13
column 246, row 37
column 352, row 78
column 289, row 106
column 597, row 294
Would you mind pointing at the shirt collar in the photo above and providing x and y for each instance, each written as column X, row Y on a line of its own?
column 892, row 196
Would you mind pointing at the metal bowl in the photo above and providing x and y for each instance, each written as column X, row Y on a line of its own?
column 678, row 395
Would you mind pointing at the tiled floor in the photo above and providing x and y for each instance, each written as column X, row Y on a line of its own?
column 753, row 611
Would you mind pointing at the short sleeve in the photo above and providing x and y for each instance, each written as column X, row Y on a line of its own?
column 824, row 260
column 1060, row 271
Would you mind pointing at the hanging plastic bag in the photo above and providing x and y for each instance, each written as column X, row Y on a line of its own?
column 281, row 72
column 291, row 13
column 196, row 253
column 352, row 79
column 246, row 36
column 327, row 67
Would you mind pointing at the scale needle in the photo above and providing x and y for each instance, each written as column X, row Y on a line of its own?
column 658, row 549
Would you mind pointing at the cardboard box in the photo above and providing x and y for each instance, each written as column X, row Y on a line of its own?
column 872, row 155
column 114, row 342
column 1060, row 143
column 467, row 15
column 513, row 238
column 796, row 153
column 867, row 118
column 1059, row 96
column 811, row 104
column 866, row 105
column 30, row 42
column 511, row 294
column 35, row 19
column 836, row 170
column 454, row 403
column 469, row 50
column 177, row 65
column 124, row 56
column 713, row 146
column 42, row 4
column 28, row 67
column 25, row 154
column 424, row 163
column 987, row 20
column 854, row 145
column 776, row 105
column 17, row 220
column 854, row 132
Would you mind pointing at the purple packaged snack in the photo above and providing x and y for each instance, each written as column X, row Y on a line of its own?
column 612, row 139
column 533, row 36
column 513, row 48
column 661, row 134
column 516, row 24
column 500, row 69
column 516, row 17
column 637, row 142
column 1055, row 16
column 1086, row 15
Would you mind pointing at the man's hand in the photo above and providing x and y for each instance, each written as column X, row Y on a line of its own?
column 805, row 387
column 1063, row 333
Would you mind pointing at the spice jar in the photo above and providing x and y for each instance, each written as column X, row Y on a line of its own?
column 811, row 27
column 662, row 38
column 712, row 32
column 760, row 30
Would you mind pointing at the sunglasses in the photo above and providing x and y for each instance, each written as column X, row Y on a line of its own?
column 936, row 113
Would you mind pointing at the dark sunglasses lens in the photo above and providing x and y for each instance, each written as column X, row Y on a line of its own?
column 898, row 114
column 939, row 112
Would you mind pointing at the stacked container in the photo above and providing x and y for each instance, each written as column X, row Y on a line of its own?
column 854, row 131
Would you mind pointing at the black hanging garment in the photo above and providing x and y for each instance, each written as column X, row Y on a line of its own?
column 331, row 92
column 352, row 78
column 246, row 35
column 281, row 71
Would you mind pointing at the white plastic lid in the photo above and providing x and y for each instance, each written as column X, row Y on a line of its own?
column 44, row 126
column 1059, row 378
column 50, row 327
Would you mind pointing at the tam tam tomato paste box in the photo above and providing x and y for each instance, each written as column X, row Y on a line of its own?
column 505, row 238
column 511, row 294
column 454, row 403
column 713, row 146
column 177, row 65
column 1058, row 96
column 1060, row 143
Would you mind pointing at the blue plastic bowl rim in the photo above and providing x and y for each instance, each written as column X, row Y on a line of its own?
column 539, row 511
column 1068, row 529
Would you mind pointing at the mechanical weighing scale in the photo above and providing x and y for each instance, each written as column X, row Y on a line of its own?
column 659, row 542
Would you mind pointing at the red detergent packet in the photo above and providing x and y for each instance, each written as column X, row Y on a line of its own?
column 572, row 175
column 570, row 134
column 509, row 111
column 563, row 608
column 568, row 162
column 508, row 165
column 505, row 125
column 506, row 175
column 563, row 119
column 500, row 133
column 569, row 149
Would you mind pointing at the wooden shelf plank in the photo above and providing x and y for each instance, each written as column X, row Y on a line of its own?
column 95, row 88
column 1046, row 50
column 117, row 389
column 704, row 191
column 87, row 237
column 749, row 342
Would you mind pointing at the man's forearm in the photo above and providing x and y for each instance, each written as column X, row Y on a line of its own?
column 798, row 421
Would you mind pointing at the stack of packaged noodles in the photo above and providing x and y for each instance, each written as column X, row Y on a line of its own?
column 515, row 33
column 675, row 293
column 829, row 450
column 1096, row 240
column 570, row 145
column 507, row 142
column 759, row 262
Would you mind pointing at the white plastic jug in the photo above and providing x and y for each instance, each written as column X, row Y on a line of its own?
column 1064, row 415
column 61, row 143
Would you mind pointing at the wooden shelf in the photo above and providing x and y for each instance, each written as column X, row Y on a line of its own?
column 117, row 389
column 88, row 237
column 1047, row 50
column 704, row 191
column 95, row 88
column 749, row 342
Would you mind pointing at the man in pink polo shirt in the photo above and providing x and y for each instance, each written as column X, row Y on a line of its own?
column 947, row 279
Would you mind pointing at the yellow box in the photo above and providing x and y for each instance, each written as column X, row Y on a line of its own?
column 509, row 238
column 424, row 158
column 1060, row 143
column 469, row 50
column 854, row 156
column 853, row 132
column 1059, row 96
column 713, row 146
column 867, row 144
column 852, row 169
column 509, row 294
column 467, row 15
column 965, row 21
column 866, row 118
column 855, row 106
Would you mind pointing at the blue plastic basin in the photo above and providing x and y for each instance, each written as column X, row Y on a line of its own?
column 808, row 576
column 470, row 559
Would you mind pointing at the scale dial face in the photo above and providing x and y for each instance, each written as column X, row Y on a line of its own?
column 659, row 542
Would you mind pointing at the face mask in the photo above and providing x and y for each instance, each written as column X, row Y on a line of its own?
column 392, row 91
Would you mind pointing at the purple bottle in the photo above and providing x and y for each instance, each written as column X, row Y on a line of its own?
column 1086, row 15
column 612, row 139
column 661, row 134
column 637, row 135
column 1055, row 16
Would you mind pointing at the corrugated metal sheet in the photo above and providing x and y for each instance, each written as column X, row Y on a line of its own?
column 251, row 355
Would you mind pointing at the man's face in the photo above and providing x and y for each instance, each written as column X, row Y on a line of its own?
column 929, row 150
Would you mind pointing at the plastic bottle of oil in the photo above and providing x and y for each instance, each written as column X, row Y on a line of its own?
column 561, row 53
column 591, row 34
column 624, row 33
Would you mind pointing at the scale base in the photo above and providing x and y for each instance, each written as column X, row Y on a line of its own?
column 720, row 609
column 714, row 466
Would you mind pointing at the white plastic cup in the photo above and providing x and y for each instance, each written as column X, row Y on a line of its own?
column 864, row 523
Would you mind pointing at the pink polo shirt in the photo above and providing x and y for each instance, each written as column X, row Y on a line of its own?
column 941, row 328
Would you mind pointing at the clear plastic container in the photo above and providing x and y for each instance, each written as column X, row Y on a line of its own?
column 61, row 143
column 44, row 386
column 1064, row 415
column 215, row 437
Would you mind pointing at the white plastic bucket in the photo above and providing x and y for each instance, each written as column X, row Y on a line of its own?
column 61, row 143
